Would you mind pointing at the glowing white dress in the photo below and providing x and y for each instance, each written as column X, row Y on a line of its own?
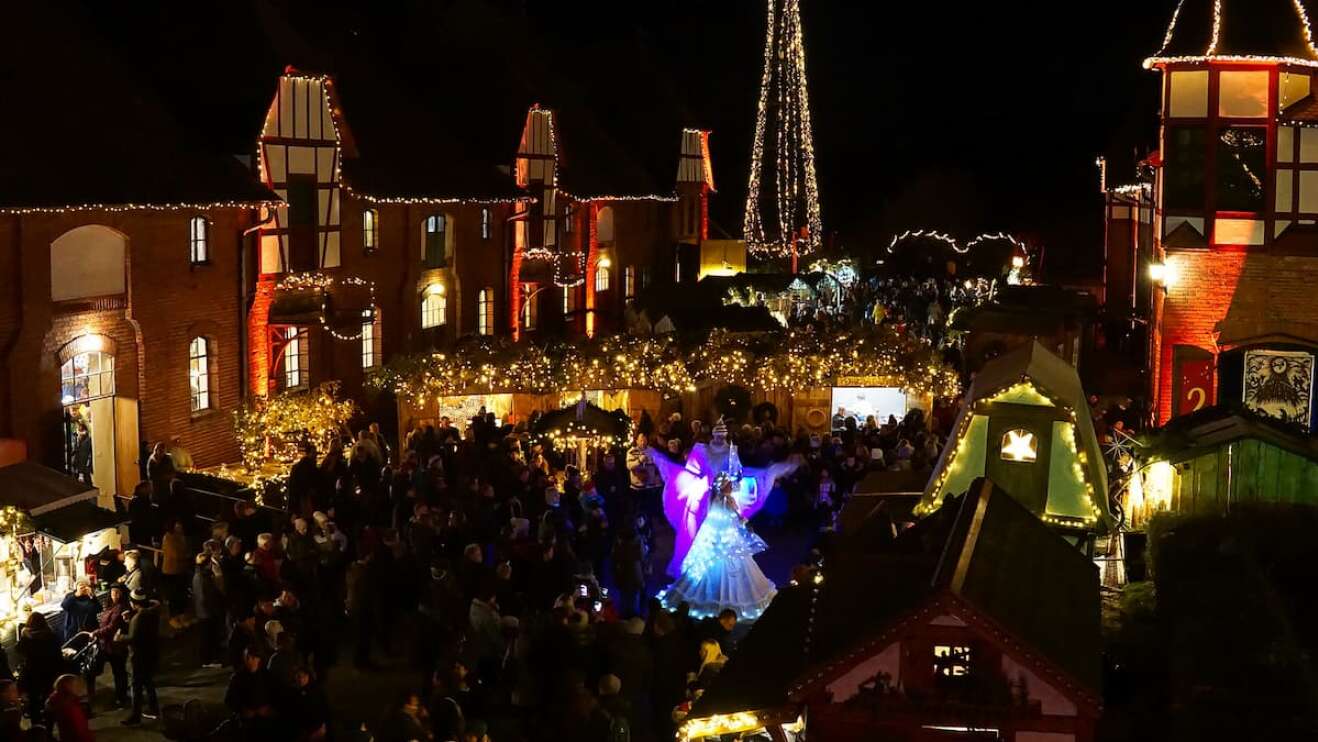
column 720, row 570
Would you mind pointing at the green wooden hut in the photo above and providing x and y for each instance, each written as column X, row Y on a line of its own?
column 1219, row 458
column 1025, row 426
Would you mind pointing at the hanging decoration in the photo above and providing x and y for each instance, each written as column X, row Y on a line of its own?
column 782, row 197
column 790, row 360
column 321, row 284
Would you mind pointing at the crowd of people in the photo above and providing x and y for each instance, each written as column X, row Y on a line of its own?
column 519, row 588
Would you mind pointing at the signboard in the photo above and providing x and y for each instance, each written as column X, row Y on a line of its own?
column 861, row 402
column 1279, row 383
column 1195, row 387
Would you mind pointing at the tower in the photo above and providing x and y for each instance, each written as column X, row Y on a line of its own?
column 782, row 196
column 1235, row 210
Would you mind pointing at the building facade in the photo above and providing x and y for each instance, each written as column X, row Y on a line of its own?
column 1218, row 250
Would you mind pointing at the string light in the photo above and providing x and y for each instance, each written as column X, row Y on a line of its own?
column 321, row 283
column 795, row 192
column 787, row 361
column 271, row 430
column 118, row 208
column 1211, row 52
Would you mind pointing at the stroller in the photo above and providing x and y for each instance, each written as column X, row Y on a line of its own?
column 80, row 653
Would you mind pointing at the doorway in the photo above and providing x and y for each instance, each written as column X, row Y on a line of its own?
column 100, row 428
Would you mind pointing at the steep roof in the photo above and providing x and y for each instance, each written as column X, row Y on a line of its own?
column 84, row 130
column 983, row 548
column 1234, row 29
column 1199, row 432
column 1033, row 362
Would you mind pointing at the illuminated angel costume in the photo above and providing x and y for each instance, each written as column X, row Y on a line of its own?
column 720, row 571
column 687, row 486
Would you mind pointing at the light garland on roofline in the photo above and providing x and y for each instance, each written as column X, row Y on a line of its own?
column 1210, row 54
column 117, row 208
column 433, row 200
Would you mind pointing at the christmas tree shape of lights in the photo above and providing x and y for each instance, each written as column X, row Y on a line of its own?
column 782, row 196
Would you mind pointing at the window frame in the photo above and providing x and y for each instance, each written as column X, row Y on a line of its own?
column 530, row 311
column 603, row 278
column 199, row 248
column 485, row 311
column 629, row 282
column 371, row 341
column 487, row 226
column 297, row 360
column 370, row 230
column 199, row 374
column 434, row 307
column 105, row 381
column 429, row 236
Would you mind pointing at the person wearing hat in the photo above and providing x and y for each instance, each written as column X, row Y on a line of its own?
column 113, row 622
column 143, row 640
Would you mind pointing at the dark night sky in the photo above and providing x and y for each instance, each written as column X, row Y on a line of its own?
column 963, row 116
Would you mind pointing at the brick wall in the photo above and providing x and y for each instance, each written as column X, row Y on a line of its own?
column 1231, row 297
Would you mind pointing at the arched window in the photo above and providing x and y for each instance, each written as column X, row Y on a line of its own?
column 603, row 278
column 296, row 360
column 485, row 311
column 199, row 373
column 87, row 376
column 434, row 306
column 486, row 227
column 371, row 338
column 199, row 240
column 370, row 230
column 604, row 225
column 435, row 252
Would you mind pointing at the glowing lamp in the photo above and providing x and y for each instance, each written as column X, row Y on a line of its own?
column 604, row 263
column 1158, row 273
column 435, row 289
column 1018, row 261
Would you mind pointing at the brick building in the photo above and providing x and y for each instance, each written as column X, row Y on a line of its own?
column 1218, row 248
column 164, row 264
column 121, row 249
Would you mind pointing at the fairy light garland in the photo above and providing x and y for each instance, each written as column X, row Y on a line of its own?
column 271, row 430
column 322, row 283
column 119, row 208
column 1210, row 53
column 788, row 361
column 795, row 191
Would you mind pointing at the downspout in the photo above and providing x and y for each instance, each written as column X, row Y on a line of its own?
column 243, row 299
column 11, row 343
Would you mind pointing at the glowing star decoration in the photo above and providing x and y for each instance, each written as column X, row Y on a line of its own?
column 782, row 195
column 1020, row 445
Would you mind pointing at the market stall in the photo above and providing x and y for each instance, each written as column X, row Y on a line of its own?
column 582, row 429
column 49, row 525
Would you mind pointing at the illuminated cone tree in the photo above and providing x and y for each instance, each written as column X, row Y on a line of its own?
column 782, row 196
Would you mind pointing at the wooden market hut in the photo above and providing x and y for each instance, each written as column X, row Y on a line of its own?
column 978, row 617
column 1025, row 425
column 1218, row 458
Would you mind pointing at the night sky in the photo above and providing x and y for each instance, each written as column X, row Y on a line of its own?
column 965, row 117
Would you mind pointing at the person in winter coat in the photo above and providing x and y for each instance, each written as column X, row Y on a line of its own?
column 629, row 571
column 208, row 607
column 39, row 649
column 80, row 610
column 139, row 574
column 64, row 710
column 175, row 567
column 113, row 622
column 143, row 639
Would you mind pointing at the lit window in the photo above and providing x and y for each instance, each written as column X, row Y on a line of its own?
column 677, row 268
column 370, row 227
column 1019, row 445
column 371, row 339
column 1243, row 93
column 602, row 277
column 434, row 306
column 295, row 359
column 198, row 240
column 567, row 219
column 629, row 281
column 199, row 373
column 485, row 311
column 434, row 252
column 951, row 661
column 604, row 225
column 486, row 227
column 1189, row 94
column 87, row 376
column 530, row 307
column 569, row 299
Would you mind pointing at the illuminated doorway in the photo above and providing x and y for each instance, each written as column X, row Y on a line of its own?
column 100, row 427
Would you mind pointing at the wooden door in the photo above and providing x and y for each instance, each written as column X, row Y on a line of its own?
column 127, row 449
column 103, row 444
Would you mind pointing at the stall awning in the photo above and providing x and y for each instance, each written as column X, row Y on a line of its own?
column 68, row 524
column 37, row 489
